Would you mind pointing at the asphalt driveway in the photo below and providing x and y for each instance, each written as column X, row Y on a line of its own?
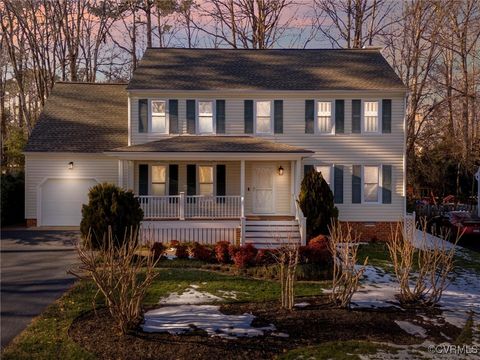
column 33, row 274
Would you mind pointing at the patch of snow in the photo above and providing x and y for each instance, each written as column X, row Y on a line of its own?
column 188, row 297
column 412, row 329
column 302, row 304
column 230, row 294
column 194, row 286
column 280, row 334
column 184, row 318
column 423, row 240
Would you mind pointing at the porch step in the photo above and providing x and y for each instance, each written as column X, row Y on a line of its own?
column 271, row 233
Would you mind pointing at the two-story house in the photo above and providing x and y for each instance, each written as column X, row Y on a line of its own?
column 215, row 143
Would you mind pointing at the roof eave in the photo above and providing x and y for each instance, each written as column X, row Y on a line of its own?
column 151, row 155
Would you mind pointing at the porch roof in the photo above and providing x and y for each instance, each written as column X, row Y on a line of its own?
column 212, row 144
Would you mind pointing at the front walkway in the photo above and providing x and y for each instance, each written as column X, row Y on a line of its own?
column 33, row 275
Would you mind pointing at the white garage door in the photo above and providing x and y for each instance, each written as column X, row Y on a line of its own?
column 62, row 201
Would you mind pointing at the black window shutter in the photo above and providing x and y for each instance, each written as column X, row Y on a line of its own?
column 309, row 116
column 307, row 169
column 143, row 115
column 338, row 184
column 191, row 179
column 191, row 116
column 356, row 116
column 356, row 184
column 278, row 116
column 221, row 182
column 387, row 184
column 248, row 116
column 143, row 179
column 220, row 114
column 173, row 179
column 173, row 116
column 386, row 116
column 339, row 116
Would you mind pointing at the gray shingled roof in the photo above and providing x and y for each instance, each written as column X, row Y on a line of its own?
column 82, row 117
column 235, row 144
column 277, row 69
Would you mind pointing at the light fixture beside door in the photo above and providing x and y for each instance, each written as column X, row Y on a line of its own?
column 280, row 170
column 70, row 165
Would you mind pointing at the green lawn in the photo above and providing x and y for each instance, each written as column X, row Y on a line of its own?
column 338, row 350
column 47, row 337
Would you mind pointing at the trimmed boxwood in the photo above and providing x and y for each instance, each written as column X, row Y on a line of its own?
column 110, row 207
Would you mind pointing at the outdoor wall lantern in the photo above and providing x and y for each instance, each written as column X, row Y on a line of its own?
column 280, row 171
column 70, row 165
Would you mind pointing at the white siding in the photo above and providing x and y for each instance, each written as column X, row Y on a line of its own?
column 39, row 167
column 343, row 149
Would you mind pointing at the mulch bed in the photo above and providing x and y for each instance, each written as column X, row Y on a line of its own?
column 306, row 326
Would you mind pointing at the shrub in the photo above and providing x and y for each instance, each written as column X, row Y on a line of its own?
column 265, row 257
column 121, row 276
column 13, row 198
column 110, row 207
column 243, row 256
column 158, row 249
column 316, row 202
column 221, row 252
column 317, row 251
column 202, row 252
column 181, row 250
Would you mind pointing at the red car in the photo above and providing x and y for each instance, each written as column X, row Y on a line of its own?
column 462, row 222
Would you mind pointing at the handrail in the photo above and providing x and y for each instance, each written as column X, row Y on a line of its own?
column 302, row 223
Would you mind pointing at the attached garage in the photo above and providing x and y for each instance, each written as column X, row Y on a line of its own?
column 60, row 201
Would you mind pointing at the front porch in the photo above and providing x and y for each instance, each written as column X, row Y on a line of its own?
column 210, row 196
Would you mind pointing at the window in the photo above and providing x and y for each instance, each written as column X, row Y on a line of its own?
column 370, row 116
column 370, row 183
column 205, row 180
column 264, row 117
column 159, row 180
column 324, row 117
column 159, row 118
column 205, row 117
column 326, row 173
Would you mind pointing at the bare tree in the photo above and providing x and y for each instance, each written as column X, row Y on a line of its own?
column 352, row 23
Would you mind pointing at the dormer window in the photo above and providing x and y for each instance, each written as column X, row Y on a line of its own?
column 205, row 117
column 263, row 117
column 159, row 116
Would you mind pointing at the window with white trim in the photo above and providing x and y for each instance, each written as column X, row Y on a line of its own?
column 370, row 116
column 205, row 117
column 159, row 180
column 371, row 181
column 205, row 180
column 326, row 171
column 263, row 117
column 159, row 116
column 324, row 117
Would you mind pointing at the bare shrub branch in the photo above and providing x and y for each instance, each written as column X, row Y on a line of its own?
column 120, row 275
column 343, row 246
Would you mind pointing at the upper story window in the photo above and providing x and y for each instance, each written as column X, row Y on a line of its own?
column 205, row 180
column 205, row 117
column 263, row 117
column 371, row 181
column 370, row 117
column 159, row 116
column 159, row 180
column 324, row 117
column 326, row 171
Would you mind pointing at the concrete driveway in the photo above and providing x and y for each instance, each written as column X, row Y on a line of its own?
column 33, row 274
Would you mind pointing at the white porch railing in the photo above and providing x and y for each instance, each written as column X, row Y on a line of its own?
column 302, row 223
column 191, row 207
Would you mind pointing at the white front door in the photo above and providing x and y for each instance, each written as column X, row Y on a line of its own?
column 263, row 179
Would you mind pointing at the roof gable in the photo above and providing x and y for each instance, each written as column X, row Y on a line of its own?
column 277, row 69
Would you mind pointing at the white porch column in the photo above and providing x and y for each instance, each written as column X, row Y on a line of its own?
column 130, row 175
column 298, row 177
column 121, row 163
column 242, row 202
column 292, row 187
